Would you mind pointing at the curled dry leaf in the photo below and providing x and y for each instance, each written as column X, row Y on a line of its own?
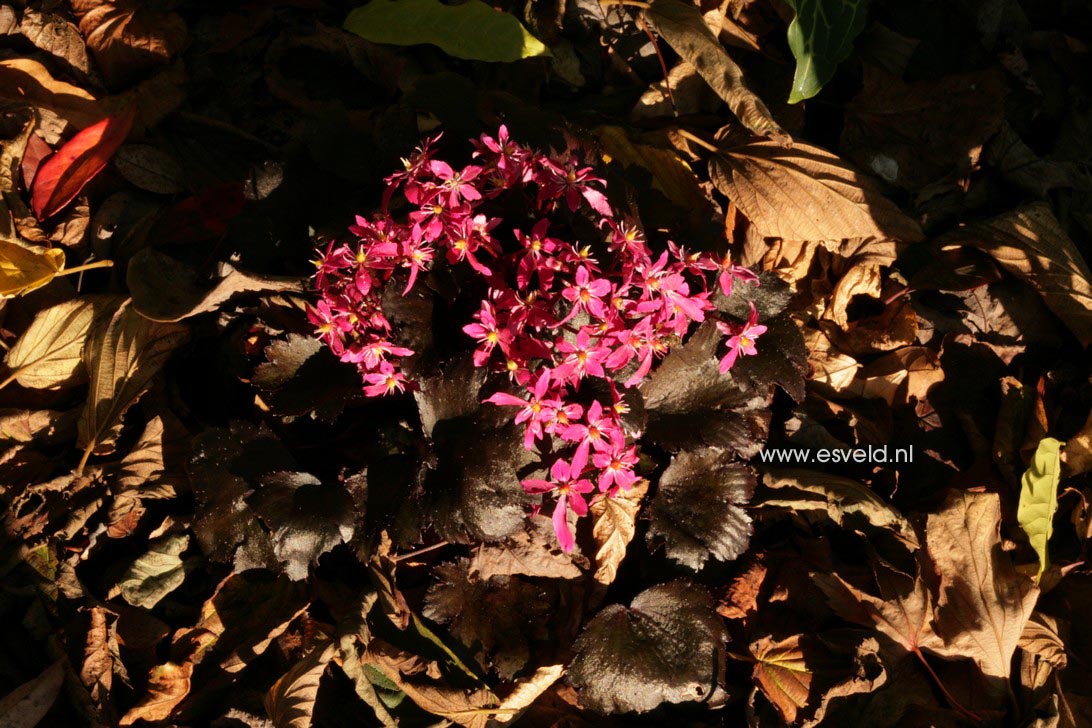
column 685, row 30
column 615, row 522
column 844, row 501
column 56, row 36
column 168, row 685
column 806, row 193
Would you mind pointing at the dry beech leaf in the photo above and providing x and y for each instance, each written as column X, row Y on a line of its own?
column 128, row 37
column 48, row 354
column 911, row 134
column 1041, row 638
column 688, row 89
column 899, row 377
column 527, row 691
column 615, row 522
column 782, row 674
column 290, row 703
column 984, row 601
column 1030, row 243
column 25, row 81
column 156, row 573
column 56, row 36
column 806, row 193
column 168, row 684
column 685, row 30
column 122, row 357
column 829, row 365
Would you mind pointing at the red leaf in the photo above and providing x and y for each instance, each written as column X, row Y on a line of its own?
column 67, row 172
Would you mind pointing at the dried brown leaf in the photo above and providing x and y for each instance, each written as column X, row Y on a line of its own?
column 1030, row 243
column 685, row 30
column 984, row 602
column 806, row 193
column 782, row 674
column 615, row 522
column 290, row 703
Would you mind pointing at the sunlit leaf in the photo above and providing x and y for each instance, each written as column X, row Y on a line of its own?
column 470, row 29
column 782, row 673
column 1039, row 498
column 23, row 269
column 821, row 36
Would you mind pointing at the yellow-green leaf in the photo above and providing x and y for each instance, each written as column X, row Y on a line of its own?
column 471, row 29
column 782, row 674
column 1039, row 497
column 24, row 269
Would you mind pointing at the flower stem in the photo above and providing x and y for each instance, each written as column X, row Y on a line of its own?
column 84, row 459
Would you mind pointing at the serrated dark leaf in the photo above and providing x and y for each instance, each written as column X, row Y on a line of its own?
column 698, row 509
column 499, row 617
column 666, row 647
column 300, row 376
column 691, row 404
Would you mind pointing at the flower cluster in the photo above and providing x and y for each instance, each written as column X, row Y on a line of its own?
column 555, row 313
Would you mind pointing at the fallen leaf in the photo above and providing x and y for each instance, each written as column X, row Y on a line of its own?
column 911, row 134
column 156, row 573
column 984, row 601
column 899, row 377
column 782, row 674
column 685, row 30
column 1030, row 243
column 56, row 36
column 806, row 193
column 23, row 80
column 614, row 524
column 290, row 703
column 63, row 175
column 471, row 30
column 168, row 685
column 531, row 552
column 1039, row 498
column 23, row 269
column 122, row 357
column 822, row 495
column 48, row 354
column 127, row 38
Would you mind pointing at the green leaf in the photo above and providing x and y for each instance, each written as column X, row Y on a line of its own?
column 821, row 36
column 1039, row 498
column 471, row 29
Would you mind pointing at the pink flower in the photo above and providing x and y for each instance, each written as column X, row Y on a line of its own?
column 582, row 358
column 596, row 432
column 587, row 294
column 488, row 333
column 742, row 341
column 385, row 381
column 536, row 411
column 616, row 465
column 417, row 256
column 456, row 184
column 572, row 183
column 570, row 488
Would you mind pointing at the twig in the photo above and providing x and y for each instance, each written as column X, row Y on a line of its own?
column 411, row 554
